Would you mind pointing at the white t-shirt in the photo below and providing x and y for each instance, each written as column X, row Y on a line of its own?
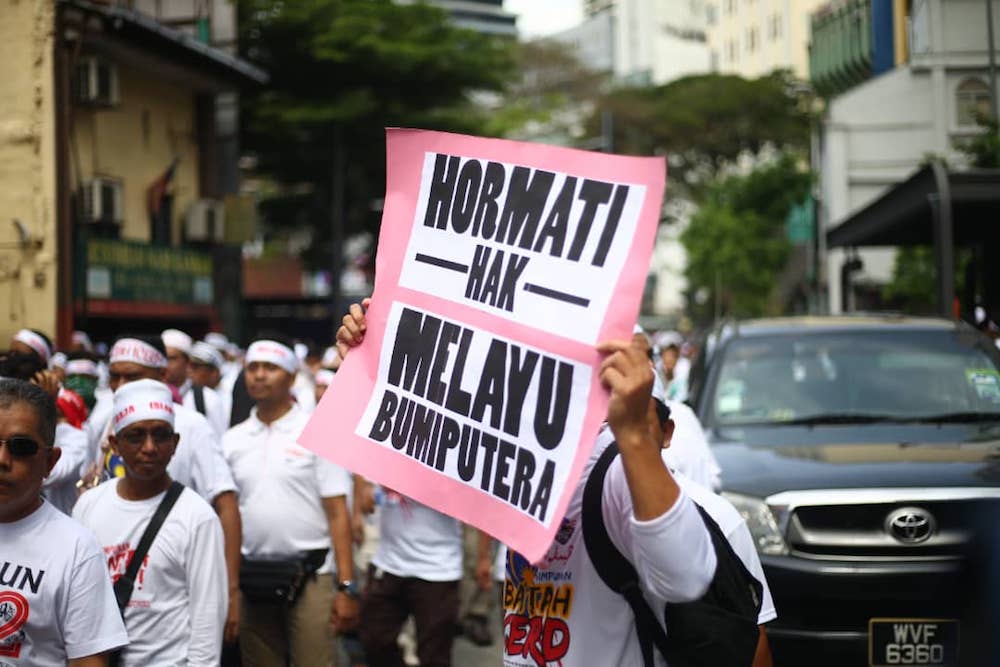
column 416, row 541
column 304, row 391
column 59, row 487
column 56, row 601
column 178, row 606
column 689, row 451
column 560, row 611
column 735, row 529
column 281, row 487
column 215, row 408
column 198, row 462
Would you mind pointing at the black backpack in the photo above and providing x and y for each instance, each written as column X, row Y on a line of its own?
column 719, row 629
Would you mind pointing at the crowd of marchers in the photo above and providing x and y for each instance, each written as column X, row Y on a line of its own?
column 157, row 509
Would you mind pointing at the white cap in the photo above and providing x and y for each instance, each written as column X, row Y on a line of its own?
column 177, row 339
column 81, row 338
column 668, row 338
column 331, row 358
column 58, row 360
column 217, row 340
column 301, row 351
column 206, row 354
column 142, row 400
column 324, row 377
column 273, row 352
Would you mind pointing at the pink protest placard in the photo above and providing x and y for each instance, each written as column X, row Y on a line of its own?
column 500, row 266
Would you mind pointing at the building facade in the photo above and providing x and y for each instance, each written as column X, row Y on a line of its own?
column 485, row 16
column 752, row 38
column 908, row 86
column 114, row 115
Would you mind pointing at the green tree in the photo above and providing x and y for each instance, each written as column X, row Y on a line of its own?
column 703, row 123
column 341, row 71
column 736, row 243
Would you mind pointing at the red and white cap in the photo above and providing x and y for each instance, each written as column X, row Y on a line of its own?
column 35, row 342
column 138, row 352
column 142, row 400
column 81, row 367
column 273, row 352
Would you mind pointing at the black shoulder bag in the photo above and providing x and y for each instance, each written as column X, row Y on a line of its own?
column 199, row 398
column 126, row 584
column 719, row 629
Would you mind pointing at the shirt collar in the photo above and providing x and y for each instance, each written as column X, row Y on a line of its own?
column 285, row 424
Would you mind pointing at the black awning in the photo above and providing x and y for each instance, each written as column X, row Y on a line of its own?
column 146, row 34
column 904, row 215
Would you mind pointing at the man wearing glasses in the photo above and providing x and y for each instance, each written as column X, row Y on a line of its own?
column 56, row 602
column 177, row 608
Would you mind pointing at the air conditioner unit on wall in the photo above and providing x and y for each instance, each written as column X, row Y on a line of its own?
column 205, row 221
column 96, row 82
column 101, row 200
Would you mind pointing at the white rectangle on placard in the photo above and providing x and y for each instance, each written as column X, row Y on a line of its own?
column 467, row 402
column 555, row 271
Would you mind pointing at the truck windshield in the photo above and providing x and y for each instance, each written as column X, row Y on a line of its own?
column 856, row 376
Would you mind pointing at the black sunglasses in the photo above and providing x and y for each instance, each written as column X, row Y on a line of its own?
column 137, row 437
column 21, row 446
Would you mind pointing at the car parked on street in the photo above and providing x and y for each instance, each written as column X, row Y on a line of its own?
column 864, row 454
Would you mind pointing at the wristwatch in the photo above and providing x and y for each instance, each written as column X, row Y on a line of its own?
column 348, row 586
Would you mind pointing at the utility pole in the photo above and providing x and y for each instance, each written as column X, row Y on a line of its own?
column 339, row 164
column 991, row 53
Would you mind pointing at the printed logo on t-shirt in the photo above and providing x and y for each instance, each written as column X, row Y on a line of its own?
column 537, row 604
column 119, row 556
column 14, row 611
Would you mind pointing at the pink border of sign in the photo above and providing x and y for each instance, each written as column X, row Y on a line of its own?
column 330, row 431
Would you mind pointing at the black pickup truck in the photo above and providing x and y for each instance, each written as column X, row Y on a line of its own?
column 864, row 454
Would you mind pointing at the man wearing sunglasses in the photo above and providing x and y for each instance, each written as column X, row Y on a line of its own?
column 177, row 609
column 197, row 463
column 56, row 602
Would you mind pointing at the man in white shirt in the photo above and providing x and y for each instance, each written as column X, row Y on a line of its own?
column 197, row 463
column 56, row 603
column 205, row 370
column 293, row 504
column 194, row 397
column 558, row 611
column 177, row 608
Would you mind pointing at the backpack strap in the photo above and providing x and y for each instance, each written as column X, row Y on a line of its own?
column 199, row 398
column 613, row 568
column 125, row 585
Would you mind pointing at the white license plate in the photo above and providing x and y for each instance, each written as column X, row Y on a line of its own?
column 915, row 642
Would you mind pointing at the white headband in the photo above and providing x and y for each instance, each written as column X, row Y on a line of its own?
column 177, row 339
column 137, row 352
column 142, row 400
column 35, row 342
column 273, row 352
column 324, row 377
column 81, row 367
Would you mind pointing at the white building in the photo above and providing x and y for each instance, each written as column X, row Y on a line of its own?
column 881, row 130
column 643, row 42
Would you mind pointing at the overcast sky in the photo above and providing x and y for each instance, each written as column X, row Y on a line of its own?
column 544, row 17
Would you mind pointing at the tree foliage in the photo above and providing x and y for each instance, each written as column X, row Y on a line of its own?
column 736, row 242
column 348, row 69
column 703, row 123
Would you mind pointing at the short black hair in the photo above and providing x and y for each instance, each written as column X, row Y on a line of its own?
column 155, row 341
column 81, row 354
column 18, row 391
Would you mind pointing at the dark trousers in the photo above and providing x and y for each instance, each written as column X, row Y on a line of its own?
column 388, row 600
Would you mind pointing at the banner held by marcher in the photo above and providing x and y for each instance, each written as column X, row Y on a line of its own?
column 500, row 266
